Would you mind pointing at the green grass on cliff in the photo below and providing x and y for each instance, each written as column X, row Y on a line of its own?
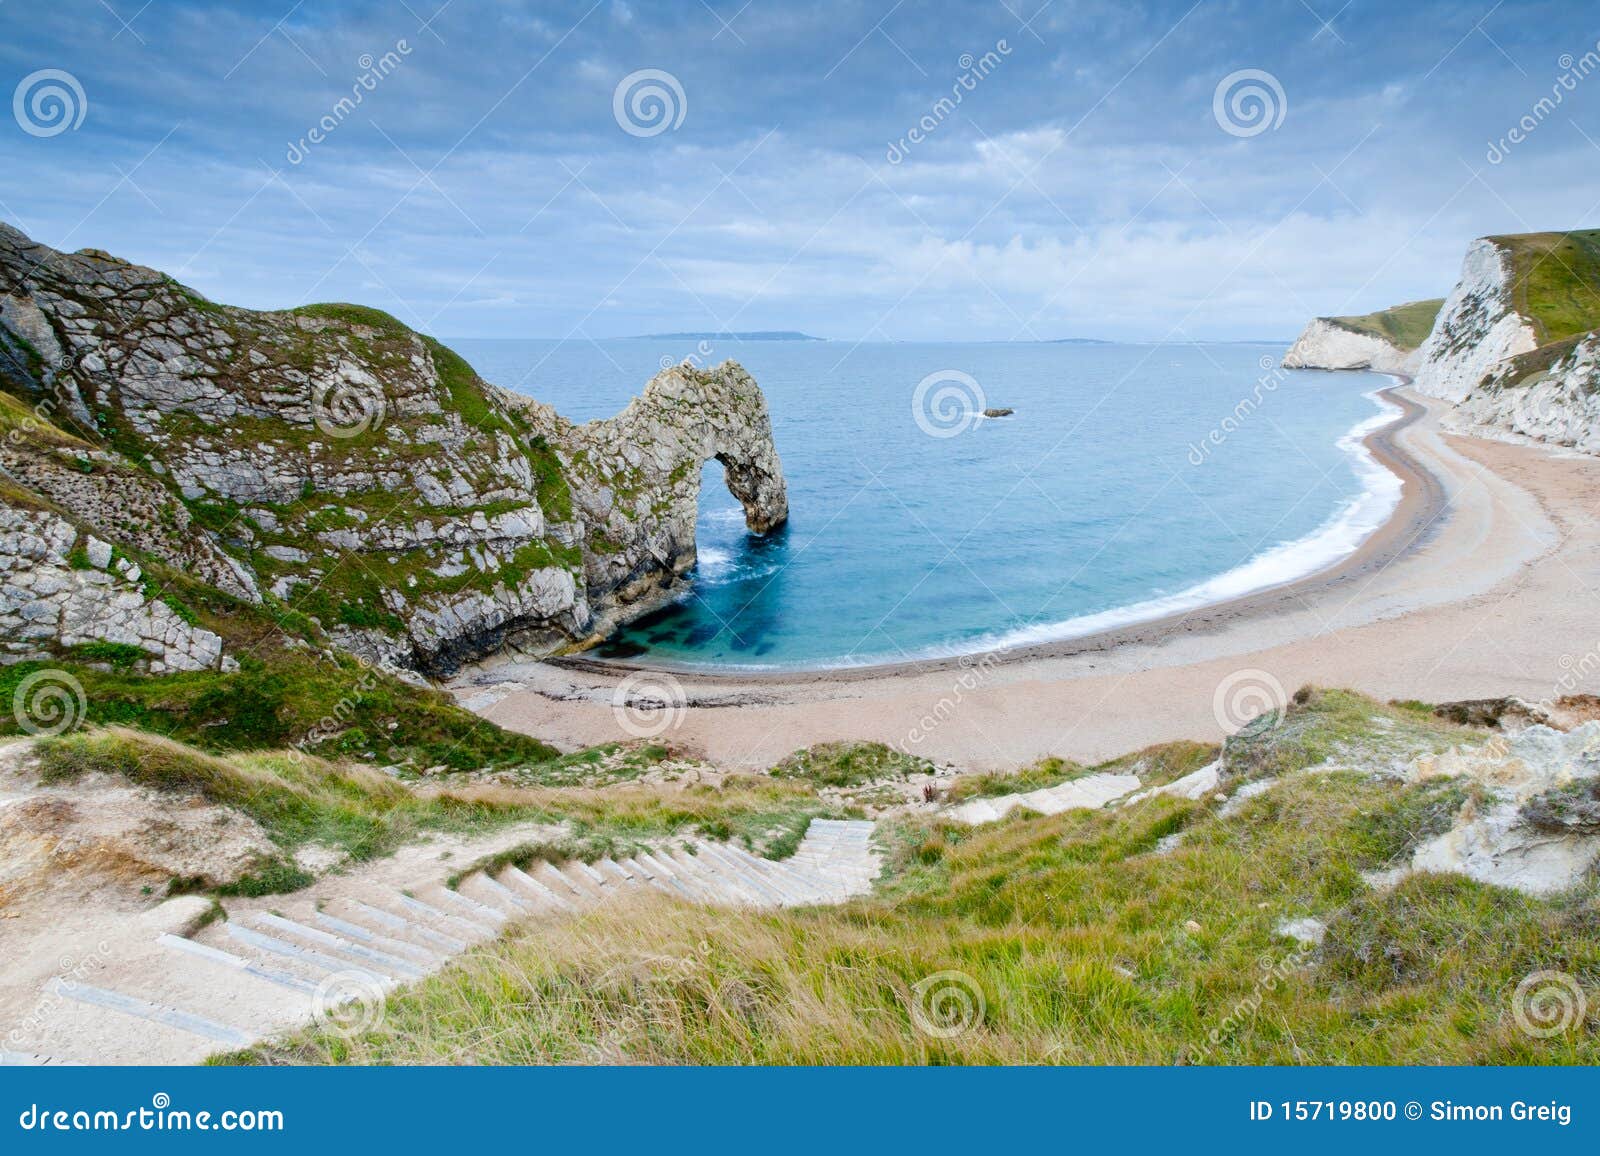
column 1556, row 281
column 1073, row 939
column 1405, row 326
column 299, row 799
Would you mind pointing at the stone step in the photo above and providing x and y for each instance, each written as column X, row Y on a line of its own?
column 31, row 1060
column 473, row 930
column 418, row 954
column 561, row 885
column 588, row 872
column 373, row 916
column 275, row 975
column 489, row 891
column 716, row 882
column 444, row 898
column 309, row 955
column 392, row 964
column 537, row 890
column 171, row 1017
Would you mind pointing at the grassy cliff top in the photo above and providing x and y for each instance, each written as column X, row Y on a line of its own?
column 1406, row 326
column 1556, row 280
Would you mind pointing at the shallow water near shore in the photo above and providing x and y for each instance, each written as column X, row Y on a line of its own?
column 1133, row 481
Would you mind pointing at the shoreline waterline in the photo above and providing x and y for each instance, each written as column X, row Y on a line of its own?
column 1399, row 502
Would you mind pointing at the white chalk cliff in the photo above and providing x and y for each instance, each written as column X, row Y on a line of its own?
column 1484, row 355
column 1478, row 327
column 1326, row 344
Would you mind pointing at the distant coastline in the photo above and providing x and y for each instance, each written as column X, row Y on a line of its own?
column 754, row 335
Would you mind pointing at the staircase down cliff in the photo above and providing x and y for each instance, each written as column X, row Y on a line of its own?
column 328, row 462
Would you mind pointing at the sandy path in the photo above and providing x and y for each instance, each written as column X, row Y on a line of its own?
column 1495, row 589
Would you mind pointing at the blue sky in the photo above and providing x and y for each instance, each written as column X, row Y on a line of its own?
column 1084, row 186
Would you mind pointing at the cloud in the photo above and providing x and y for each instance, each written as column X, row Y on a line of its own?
column 1084, row 188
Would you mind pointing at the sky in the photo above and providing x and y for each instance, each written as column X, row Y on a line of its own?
column 1191, row 171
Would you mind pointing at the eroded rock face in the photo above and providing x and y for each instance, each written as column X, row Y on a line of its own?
column 56, row 593
column 1534, row 827
column 1559, row 405
column 1478, row 327
column 331, row 460
column 1327, row 345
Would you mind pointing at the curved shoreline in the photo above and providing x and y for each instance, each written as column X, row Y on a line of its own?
column 1418, row 514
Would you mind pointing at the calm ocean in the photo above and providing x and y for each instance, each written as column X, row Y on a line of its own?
column 1133, row 480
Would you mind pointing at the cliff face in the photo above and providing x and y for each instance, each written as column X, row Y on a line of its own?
column 1559, row 404
column 1478, row 327
column 1325, row 344
column 330, row 462
column 1514, row 346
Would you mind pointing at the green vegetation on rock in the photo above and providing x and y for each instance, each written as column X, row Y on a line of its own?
column 1086, row 937
column 1555, row 281
column 1404, row 326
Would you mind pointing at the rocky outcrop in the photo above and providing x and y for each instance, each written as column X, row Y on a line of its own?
column 1325, row 344
column 1478, row 328
column 1531, row 824
column 1497, row 363
column 1557, row 403
column 61, row 589
column 331, row 462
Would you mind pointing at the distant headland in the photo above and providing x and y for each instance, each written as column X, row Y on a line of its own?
column 755, row 335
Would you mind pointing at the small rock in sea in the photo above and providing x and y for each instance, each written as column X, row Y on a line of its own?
column 1000, row 412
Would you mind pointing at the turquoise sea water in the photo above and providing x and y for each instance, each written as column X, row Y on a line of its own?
column 1133, row 480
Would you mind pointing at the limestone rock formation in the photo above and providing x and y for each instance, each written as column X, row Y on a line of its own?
column 1534, row 828
column 1558, row 403
column 1326, row 344
column 1514, row 345
column 329, row 462
column 1478, row 327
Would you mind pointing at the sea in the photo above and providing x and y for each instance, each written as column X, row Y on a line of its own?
column 1130, row 482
